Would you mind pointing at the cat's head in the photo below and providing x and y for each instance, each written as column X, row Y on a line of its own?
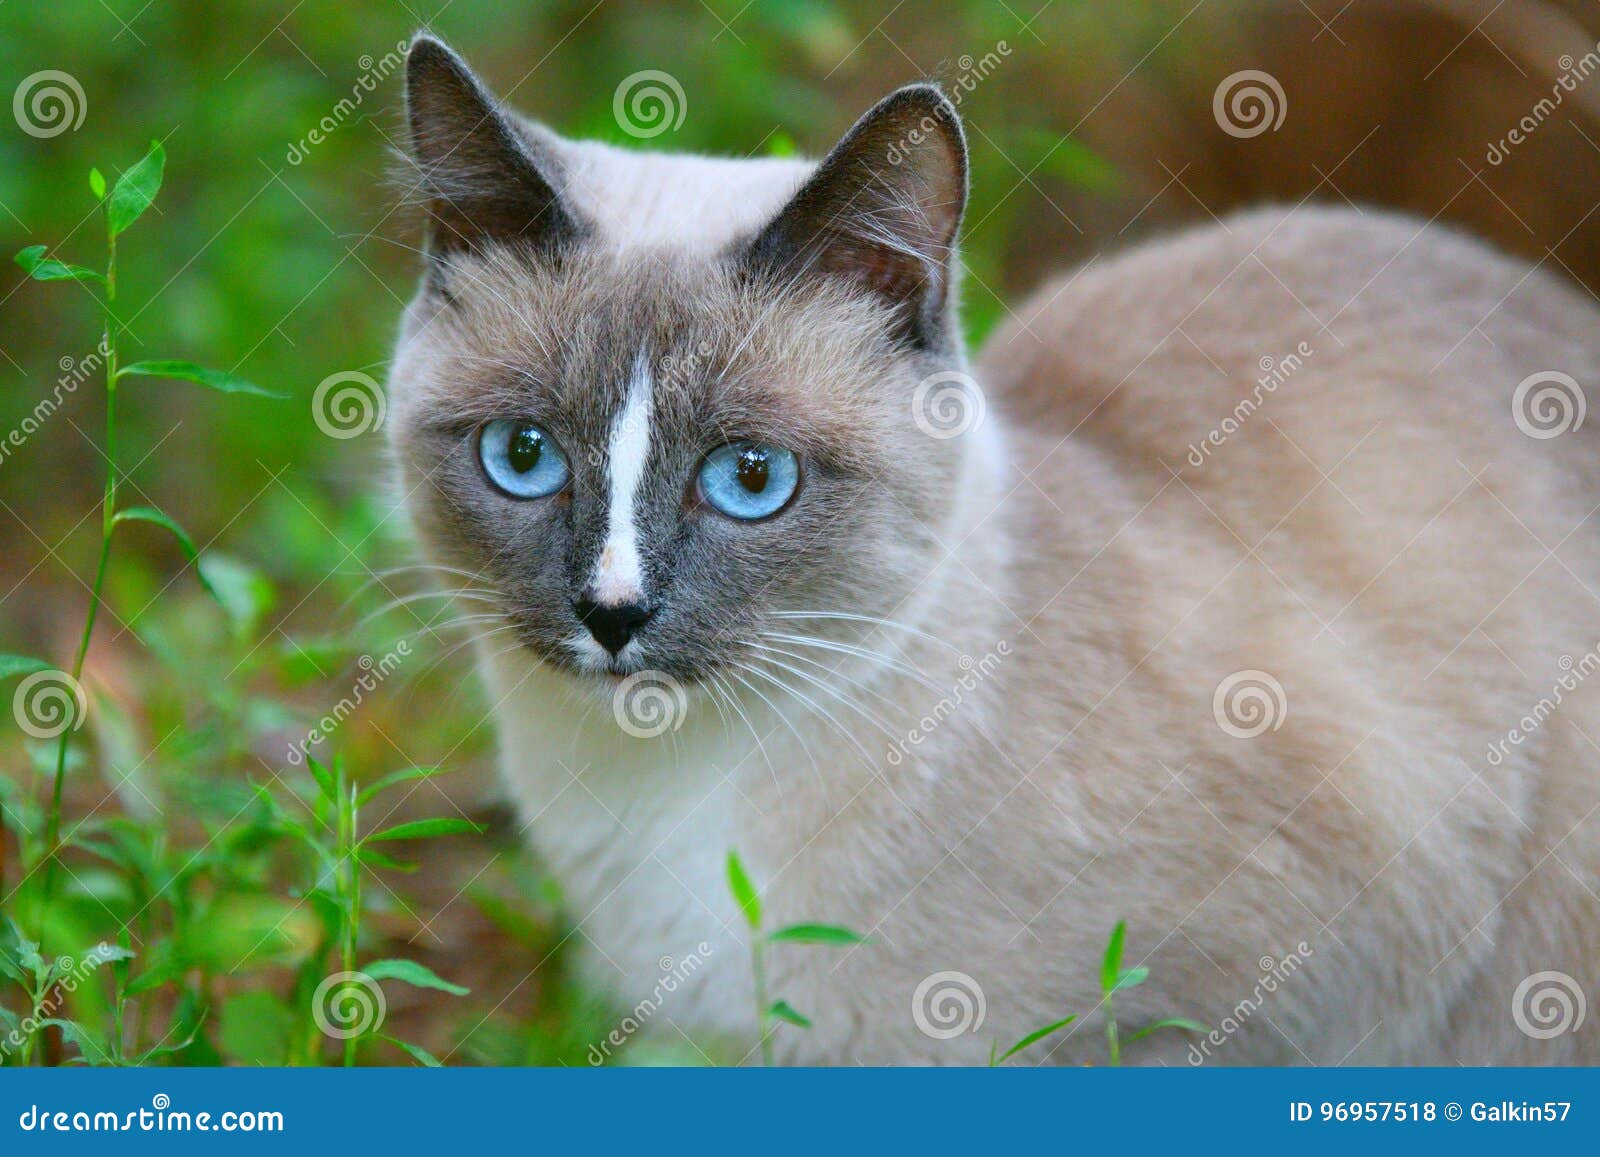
column 656, row 404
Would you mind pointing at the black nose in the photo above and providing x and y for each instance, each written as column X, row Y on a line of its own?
column 612, row 625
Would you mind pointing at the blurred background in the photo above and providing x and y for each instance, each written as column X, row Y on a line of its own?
column 275, row 252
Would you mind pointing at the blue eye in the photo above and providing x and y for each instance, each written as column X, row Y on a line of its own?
column 749, row 480
column 522, row 459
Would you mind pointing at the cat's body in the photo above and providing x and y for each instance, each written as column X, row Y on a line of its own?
column 1040, row 732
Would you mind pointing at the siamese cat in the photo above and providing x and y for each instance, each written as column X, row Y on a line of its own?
column 1245, row 589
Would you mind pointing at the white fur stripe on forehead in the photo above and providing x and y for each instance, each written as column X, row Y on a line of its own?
column 619, row 572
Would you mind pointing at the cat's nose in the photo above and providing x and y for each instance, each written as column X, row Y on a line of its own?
column 612, row 624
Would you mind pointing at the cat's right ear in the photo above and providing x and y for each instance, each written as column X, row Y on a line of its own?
column 479, row 174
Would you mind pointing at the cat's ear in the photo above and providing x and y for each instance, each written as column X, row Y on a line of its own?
column 883, row 208
column 480, row 174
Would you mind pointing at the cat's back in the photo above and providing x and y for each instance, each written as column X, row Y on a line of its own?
column 1240, row 295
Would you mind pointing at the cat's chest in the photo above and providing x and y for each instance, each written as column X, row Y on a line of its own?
column 637, row 831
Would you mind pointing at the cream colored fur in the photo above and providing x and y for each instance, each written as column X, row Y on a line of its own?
column 1379, row 536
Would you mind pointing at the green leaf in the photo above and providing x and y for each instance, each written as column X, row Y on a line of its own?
column 422, row 829
column 1031, row 1039
column 323, row 777
column 373, row 858
column 190, row 372
column 1111, row 966
column 41, row 268
column 22, row 665
column 1132, row 978
column 417, row 1053
column 1180, row 1022
column 245, row 593
column 785, row 1011
column 97, row 184
column 816, row 934
column 412, row 973
column 744, row 892
column 135, row 190
column 394, row 777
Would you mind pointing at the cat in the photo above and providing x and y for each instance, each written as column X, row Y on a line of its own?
column 1242, row 590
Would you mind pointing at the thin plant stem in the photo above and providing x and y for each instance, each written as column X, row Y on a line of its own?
column 108, row 513
column 758, row 968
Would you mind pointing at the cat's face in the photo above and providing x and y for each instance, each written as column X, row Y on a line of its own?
column 650, row 451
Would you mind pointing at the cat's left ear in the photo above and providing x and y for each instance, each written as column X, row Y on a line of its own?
column 882, row 209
